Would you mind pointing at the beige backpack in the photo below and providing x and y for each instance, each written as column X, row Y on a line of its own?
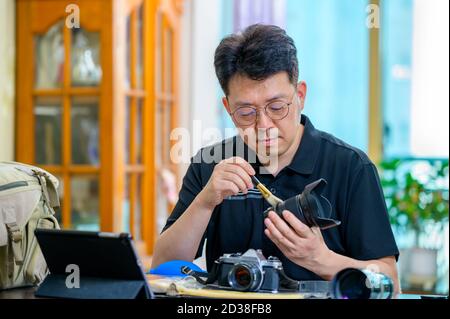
column 27, row 198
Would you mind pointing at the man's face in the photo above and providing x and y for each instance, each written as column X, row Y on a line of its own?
column 270, row 135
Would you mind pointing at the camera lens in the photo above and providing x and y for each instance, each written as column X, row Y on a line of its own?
column 245, row 277
column 311, row 207
column 354, row 283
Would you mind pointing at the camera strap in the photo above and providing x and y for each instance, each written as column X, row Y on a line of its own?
column 199, row 276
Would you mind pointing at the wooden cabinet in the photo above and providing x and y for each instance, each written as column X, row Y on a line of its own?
column 88, row 102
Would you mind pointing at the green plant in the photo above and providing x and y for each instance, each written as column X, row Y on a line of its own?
column 415, row 201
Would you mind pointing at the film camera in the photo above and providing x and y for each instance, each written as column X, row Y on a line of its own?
column 250, row 271
column 310, row 206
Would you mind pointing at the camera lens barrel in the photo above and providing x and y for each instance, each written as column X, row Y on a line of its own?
column 352, row 283
column 310, row 207
column 245, row 277
column 294, row 206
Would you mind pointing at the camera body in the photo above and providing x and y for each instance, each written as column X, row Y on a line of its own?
column 250, row 271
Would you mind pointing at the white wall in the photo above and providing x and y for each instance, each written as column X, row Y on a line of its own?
column 185, row 76
column 201, row 38
column 199, row 87
column 205, row 38
column 7, row 78
column 430, row 79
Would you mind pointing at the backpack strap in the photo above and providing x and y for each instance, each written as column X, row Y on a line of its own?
column 48, row 189
column 45, row 180
column 14, row 234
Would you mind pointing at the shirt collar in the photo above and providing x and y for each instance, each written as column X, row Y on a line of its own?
column 305, row 158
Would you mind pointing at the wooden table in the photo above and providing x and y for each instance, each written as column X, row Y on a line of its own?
column 19, row 293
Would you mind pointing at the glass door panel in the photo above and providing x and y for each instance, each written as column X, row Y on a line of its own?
column 85, row 53
column 139, row 48
column 137, row 209
column 47, row 126
column 85, row 130
column 128, row 53
column 85, row 202
column 126, row 206
column 127, row 129
column 138, row 134
column 49, row 58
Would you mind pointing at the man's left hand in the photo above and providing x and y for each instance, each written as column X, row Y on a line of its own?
column 301, row 244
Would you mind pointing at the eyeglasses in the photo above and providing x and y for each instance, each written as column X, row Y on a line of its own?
column 248, row 115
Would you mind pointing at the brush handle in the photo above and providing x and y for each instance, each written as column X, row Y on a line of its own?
column 255, row 180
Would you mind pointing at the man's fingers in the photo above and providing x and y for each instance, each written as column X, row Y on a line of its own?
column 282, row 242
column 277, row 236
column 242, row 163
column 230, row 188
column 301, row 229
column 236, row 169
column 235, row 179
column 282, row 227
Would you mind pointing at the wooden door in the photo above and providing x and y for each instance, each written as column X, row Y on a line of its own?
column 96, row 104
column 63, row 96
column 167, row 37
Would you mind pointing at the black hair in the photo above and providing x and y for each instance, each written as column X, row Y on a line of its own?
column 258, row 52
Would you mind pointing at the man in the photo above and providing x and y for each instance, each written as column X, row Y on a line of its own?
column 258, row 72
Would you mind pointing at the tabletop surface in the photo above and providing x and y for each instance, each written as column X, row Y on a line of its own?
column 28, row 293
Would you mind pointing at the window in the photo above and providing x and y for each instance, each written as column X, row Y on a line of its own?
column 332, row 44
column 415, row 78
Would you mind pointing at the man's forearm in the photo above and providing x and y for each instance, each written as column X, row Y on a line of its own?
column 334, row 263
column 182, row 239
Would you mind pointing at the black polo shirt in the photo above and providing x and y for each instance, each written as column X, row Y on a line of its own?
column 353, row 189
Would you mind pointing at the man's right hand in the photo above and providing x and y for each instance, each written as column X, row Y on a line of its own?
column 230, row 176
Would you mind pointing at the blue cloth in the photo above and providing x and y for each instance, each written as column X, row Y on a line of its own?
column 173, row 268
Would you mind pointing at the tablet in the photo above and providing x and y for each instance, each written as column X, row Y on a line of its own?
column 85, row 264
